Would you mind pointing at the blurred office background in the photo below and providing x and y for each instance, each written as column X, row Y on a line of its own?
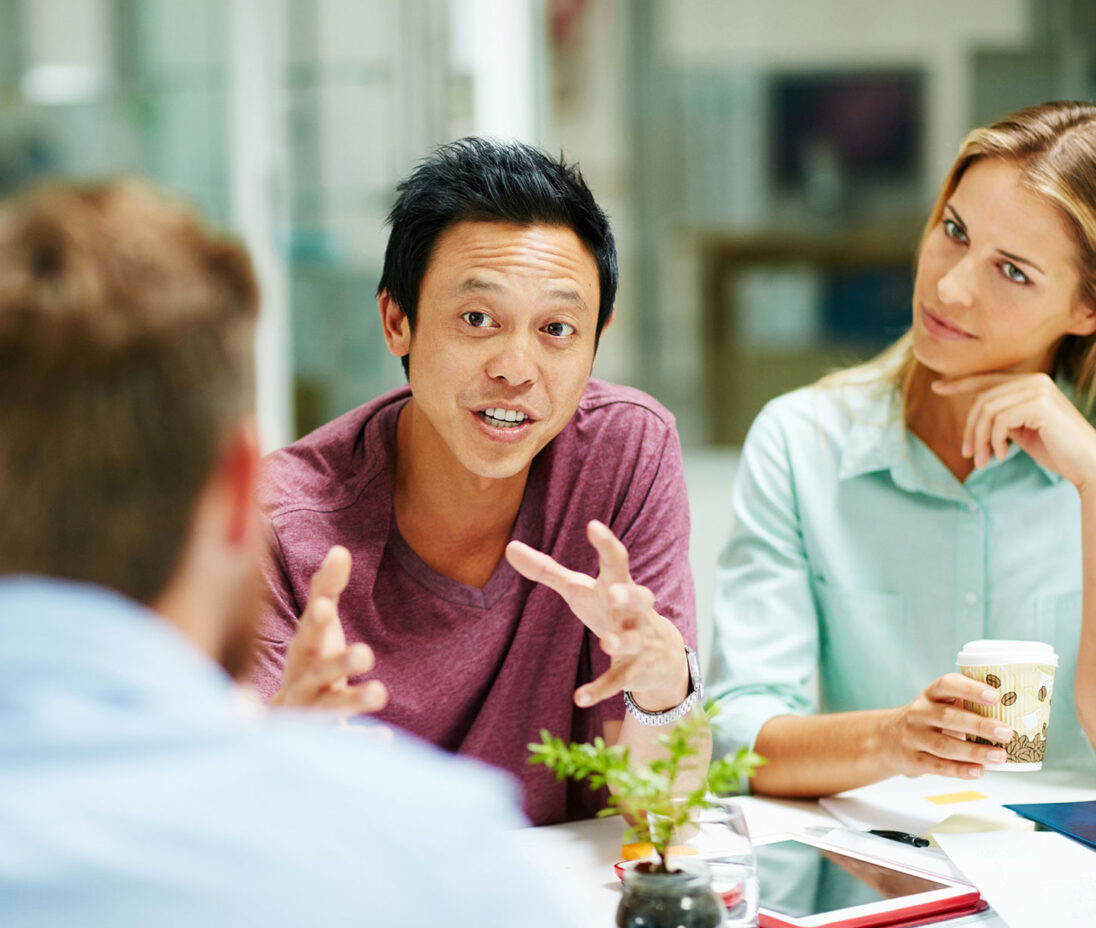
column 767, row 163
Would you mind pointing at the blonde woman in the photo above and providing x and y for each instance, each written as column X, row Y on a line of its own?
column 944, row 492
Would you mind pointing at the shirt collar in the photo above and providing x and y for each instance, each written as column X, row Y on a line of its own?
column 878, row 440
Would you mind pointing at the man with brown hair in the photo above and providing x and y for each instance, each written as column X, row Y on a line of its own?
column 134, row 790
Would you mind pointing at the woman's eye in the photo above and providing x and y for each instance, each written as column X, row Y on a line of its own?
column 559, row 329
column 478, row 320
column 955, row 231
column 1013, row 273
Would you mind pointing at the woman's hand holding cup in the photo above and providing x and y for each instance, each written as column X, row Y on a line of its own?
column 929, row 734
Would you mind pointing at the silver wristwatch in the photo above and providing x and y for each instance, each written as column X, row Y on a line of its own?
column 696, row 693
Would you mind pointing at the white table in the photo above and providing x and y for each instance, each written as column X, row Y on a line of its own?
column 577, row 859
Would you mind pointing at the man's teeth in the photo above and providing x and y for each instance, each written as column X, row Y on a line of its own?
column 504, row 418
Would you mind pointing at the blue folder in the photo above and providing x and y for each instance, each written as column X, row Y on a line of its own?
column 1076, row 820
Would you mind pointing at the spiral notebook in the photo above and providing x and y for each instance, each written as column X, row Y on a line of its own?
column 1076, row 820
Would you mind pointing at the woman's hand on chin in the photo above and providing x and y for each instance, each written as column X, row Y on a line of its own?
column 1030, row 410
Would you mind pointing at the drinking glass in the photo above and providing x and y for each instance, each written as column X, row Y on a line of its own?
column 723, row 840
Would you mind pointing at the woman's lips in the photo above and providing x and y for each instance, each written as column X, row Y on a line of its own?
column 941, row 328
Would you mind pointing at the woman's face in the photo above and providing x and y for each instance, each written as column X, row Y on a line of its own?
column 997, row 284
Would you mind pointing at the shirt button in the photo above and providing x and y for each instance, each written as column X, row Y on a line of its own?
column 972, row 598
column 972, row 507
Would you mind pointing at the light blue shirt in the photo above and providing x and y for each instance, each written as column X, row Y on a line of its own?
column 134, row 791
column 857, row 553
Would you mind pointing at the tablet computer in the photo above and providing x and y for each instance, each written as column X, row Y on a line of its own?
column 807, row 884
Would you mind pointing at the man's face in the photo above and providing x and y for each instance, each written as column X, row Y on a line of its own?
column 503, row 344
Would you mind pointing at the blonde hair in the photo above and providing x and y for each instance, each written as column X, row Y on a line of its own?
column 1054, row 145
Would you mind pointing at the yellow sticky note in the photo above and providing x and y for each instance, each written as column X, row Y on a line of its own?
column 947, row 798
column 1001, row 820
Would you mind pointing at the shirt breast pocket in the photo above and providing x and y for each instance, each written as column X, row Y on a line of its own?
column 861, row 636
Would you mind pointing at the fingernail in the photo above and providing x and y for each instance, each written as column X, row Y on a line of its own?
column 1001, row 733
column 612, row 642
column 582, row 699
column 974, row 772
column 966, row 449
column 997, row 757
column 990, row 695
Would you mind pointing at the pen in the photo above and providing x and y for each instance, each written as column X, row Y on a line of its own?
column 902, row 836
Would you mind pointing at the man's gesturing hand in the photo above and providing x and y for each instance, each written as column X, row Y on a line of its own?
column 647, row 651
column 318, row 660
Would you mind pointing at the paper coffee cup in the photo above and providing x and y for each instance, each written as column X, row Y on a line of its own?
column 1023, row 673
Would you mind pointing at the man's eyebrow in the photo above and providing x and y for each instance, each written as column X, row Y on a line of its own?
column 481, row 285
column 567, row 295
column 476, row 284
column 1005, row 254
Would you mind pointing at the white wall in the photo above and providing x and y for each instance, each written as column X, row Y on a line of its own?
column 709, row 475
column 499, row 44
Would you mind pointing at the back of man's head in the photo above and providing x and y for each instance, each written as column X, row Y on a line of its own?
column 126, row 336
column 488, row 180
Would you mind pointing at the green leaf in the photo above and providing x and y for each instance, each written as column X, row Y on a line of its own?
column 642, row 789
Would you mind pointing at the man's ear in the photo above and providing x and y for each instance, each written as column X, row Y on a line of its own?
column 397, row 327
column 239, row 477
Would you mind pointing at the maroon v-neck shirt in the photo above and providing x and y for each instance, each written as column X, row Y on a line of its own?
column 482, row 671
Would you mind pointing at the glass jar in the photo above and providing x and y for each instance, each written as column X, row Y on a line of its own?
column 717, row 833
column 679, row 899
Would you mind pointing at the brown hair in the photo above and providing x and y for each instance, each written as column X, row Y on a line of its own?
column 126, row 335
column 1054, row 145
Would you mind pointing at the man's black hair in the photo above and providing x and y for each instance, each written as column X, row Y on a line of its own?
column 487, row 180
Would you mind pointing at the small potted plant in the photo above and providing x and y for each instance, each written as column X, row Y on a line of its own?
column 651, row 799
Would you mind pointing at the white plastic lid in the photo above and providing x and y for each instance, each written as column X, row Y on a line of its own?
column 990, row 651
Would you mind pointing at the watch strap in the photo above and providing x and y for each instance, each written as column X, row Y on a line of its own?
column 695, row 694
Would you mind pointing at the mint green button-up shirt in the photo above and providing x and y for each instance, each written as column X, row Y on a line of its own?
column 857, row 554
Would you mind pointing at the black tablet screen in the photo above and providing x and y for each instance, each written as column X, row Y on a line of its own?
column 800, row 880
